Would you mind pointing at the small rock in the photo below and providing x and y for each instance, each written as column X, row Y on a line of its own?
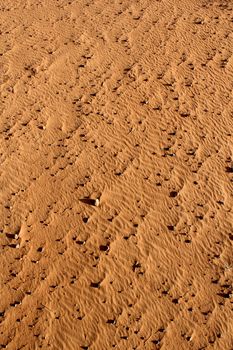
column 90, row 201
column 11, row 235
column 97, row 202
column 198, row 20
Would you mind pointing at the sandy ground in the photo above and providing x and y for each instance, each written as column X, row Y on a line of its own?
column 129, row 102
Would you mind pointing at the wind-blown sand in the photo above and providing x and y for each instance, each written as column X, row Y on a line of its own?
column 129, row 102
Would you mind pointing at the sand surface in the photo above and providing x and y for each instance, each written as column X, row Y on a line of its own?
column 128, row 102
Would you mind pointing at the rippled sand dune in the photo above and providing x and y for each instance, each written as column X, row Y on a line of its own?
column 116, row 175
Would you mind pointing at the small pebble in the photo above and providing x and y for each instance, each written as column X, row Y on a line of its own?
column 90, row 201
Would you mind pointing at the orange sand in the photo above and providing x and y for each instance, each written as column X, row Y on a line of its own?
column 128, row 102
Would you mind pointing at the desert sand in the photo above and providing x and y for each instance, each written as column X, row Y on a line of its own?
column 116, row 174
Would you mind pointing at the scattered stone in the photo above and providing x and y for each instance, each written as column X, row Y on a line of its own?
column 173, row 194
column 229, row 169
column 95, row 284
column 90, row 201
column 17, row 246
column 104, row 248
column 111, row 321
column 198, row 20
column 12, row 235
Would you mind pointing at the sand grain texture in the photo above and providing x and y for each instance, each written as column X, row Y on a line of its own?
column 128, row 102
